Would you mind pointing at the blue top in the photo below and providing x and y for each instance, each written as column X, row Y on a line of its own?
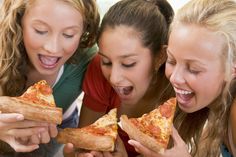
column 224, row 151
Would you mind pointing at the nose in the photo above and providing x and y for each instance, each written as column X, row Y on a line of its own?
column 52, row 45
column 115, row 75
column 177, row 76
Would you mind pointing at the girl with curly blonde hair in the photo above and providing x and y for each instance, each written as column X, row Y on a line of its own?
column 48, row 40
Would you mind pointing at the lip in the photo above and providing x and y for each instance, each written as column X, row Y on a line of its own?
column 122, row 96
column 49, row 66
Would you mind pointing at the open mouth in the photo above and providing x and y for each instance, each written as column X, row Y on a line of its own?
column 48, row 61
column 123, row 91
column 183, row 96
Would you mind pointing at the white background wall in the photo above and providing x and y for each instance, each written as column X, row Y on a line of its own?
column 105, row 4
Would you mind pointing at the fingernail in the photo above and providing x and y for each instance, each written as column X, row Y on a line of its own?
column 130, row 142
column 36, row 147
column 20, row 117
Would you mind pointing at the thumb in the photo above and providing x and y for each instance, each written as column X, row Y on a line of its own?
column 178, row 141
column 68, row 150
column 22, row 148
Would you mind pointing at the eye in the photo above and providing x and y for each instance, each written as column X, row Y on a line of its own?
column 40, row 32
column 106, row 62
column 68, row 35
column 170, row 61
column 129, row 65
column 193, row 70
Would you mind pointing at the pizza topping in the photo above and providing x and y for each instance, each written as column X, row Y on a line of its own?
column 100, row 135
column 166, row 110
column 156, row 124
column 96, row 130
column 154, row 130
column 45, row 90
column 40, row 93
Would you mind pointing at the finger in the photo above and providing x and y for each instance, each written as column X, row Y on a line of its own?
column 95, row 153
column 45, row 137
column 68, row 150
column 107, row 154
column 86, row 155
column 53, row 130
column 18, row 133
column 11, row 117
column 176, row 137
column 35, row 139
column 22, row 148
column 141, row 149
column 23, row 140
column 23, row 124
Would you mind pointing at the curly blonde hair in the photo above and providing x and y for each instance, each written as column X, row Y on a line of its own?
column 13, row 58
column 208, row 125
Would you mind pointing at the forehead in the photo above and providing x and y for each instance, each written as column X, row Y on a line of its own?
column 196, row 40
column 54, row 11
column 122, row 41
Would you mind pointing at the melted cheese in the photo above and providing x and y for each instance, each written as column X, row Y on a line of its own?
column 108, row 121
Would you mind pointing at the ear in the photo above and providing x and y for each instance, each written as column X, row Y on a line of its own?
column 160, row 58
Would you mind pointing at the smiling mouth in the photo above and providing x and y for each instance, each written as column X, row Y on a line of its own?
column 48, row 61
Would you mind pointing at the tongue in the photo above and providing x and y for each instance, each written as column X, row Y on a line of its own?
column 48, row 60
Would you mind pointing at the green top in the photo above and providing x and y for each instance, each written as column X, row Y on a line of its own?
column 66, row 90
column 69, row 86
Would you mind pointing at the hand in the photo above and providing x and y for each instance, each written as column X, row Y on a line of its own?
column 178, row 150
column 13, row 127
column 120, row 151
column 45, row 136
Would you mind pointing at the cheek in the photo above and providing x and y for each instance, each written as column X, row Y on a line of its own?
column 31, row 41
column 143, row 77
column 71, row 47
column 105, row 72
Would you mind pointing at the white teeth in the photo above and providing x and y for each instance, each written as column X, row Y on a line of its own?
column 123, row 90
column 182, row 91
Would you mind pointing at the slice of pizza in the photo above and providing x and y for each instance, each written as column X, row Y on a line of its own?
column 37, row 103
column 99, row 136
column 152, row 129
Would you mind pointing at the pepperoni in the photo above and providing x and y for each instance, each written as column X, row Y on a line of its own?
column 98, row 131
column 45, row 90
column 166, row 110
column 154, row 130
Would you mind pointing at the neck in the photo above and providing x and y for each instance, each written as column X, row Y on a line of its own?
column 144, row 105
column 34, row 76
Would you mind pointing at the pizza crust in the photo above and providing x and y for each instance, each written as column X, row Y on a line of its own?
column 136, row 134
column 85, row 140
column 30, row 110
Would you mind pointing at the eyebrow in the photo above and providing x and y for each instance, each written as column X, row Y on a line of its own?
column 38, row 21
column 122, row 56
column 188, row 60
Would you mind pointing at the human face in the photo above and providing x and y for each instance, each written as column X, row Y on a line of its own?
column 194, row 66
column 125, row 63
column 51, row 34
